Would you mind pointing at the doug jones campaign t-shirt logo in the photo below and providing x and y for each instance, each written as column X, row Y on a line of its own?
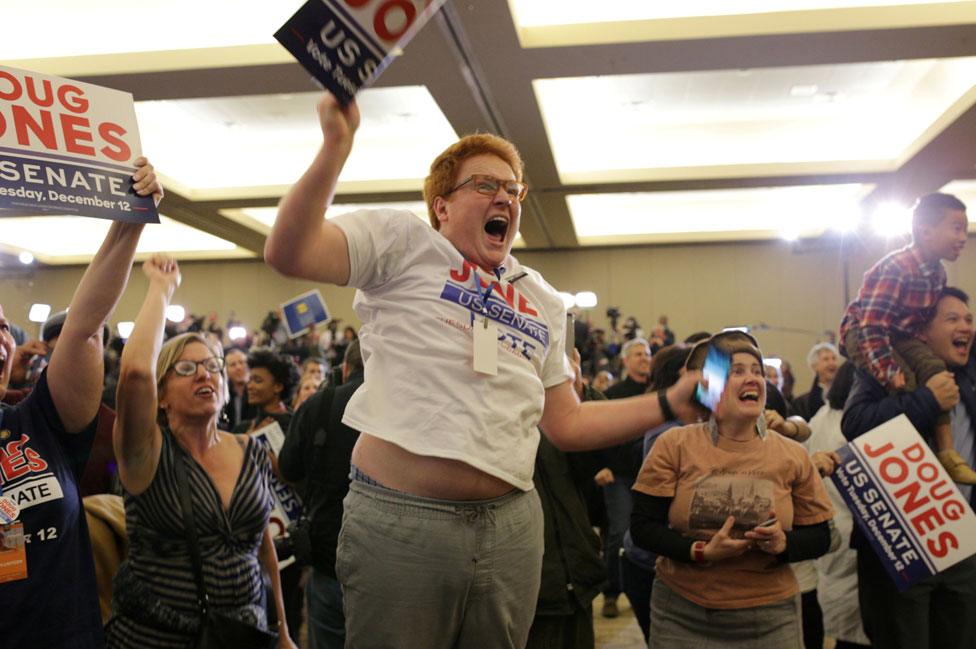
column 27, row 479
column 524, row 333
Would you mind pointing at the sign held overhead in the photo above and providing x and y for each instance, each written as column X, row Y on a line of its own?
column 68, row 147
column 346, row 44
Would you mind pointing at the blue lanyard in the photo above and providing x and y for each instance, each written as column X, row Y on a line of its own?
column 484, row 296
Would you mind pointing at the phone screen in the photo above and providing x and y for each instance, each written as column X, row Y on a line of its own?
column 715, row 371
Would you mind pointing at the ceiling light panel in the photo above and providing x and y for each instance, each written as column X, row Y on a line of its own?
column 72, row 239
column 550, row 23
column 115, row 26
column 259, row 145
column 863, row 117
column 714, row 215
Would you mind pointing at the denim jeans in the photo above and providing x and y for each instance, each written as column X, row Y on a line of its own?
column 326, row 622
column 619, row 502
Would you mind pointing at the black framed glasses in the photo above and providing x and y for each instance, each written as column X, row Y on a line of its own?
column 488, row 185
column 189, row 368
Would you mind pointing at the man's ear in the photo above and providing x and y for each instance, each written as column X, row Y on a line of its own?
column 440, row 208
column 922, row 233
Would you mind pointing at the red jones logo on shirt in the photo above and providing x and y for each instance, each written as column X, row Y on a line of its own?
column 17, row 460
column 509, row 294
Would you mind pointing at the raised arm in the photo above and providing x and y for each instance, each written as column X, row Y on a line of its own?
column 575, row 426
column 76, row 371
column 302, row 243
column 136, row 437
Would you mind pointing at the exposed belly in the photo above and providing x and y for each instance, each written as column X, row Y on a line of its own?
column 422, row 475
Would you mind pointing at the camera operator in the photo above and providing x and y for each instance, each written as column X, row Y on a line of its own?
column 316, row 453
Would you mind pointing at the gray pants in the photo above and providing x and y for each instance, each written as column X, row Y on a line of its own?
column 677, row 623
column 437, row 574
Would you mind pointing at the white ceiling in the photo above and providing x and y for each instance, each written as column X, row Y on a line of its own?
column 640, row 122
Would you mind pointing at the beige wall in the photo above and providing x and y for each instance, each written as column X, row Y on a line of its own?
column 698, row 287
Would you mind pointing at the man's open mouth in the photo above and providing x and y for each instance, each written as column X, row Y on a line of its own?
column 497, row 227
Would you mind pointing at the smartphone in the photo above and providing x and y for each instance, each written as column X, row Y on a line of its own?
column 715, row 371
column 570, row 334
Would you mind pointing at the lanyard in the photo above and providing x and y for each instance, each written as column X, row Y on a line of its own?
column 483, row 296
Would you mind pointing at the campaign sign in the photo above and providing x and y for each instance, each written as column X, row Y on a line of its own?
column 346, row 44
column 68, row 147
column 905, row 503
column 286, row 507
column 303, row 312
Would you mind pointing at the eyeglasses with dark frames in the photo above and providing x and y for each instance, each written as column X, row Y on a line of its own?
column 488, row 185
column 189, row 368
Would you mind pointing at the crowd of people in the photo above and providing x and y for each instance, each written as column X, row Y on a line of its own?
column 443, row 469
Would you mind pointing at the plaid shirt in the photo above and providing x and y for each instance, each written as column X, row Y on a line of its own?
column 894, row 299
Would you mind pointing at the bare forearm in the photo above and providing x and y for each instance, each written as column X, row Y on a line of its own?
column 801, row 430
column 599, row 424
column 142, row 347
column 76, row 371
column 300, row 221
column 269, row 561
column 102, row 284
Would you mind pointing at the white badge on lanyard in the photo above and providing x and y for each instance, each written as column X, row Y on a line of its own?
column 484, row 334
column 485, row 346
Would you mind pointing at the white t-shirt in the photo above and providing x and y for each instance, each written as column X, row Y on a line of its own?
column 416, row 299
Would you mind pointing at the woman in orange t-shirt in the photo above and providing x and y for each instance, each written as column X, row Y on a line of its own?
column 727, row 505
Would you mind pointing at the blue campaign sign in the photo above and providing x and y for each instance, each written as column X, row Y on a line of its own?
column 68, row 147
column 303, row 312
column 49, row 186
column 347, row 47
column 904, row 502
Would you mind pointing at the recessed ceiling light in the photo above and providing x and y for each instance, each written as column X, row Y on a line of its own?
column 175, row 313
column 39, row 312
column 804, row 90
column 586, row 299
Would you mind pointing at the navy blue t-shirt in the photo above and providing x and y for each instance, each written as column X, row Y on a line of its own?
column 40, row 466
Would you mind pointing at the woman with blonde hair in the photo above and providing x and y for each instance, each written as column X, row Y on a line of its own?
column 169, row 449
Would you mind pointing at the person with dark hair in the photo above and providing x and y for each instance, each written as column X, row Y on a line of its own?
column 940, row 611
column 636, row 563
column 442, row 535
column 273, row 379
column 572, row 568
column 727, row 505
column 697, row 337
column 48, row 594
column 271, row 382
column 881, row 326
column 317, row 453
column 621, row 464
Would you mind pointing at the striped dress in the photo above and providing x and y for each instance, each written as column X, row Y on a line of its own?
column 159, row 557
